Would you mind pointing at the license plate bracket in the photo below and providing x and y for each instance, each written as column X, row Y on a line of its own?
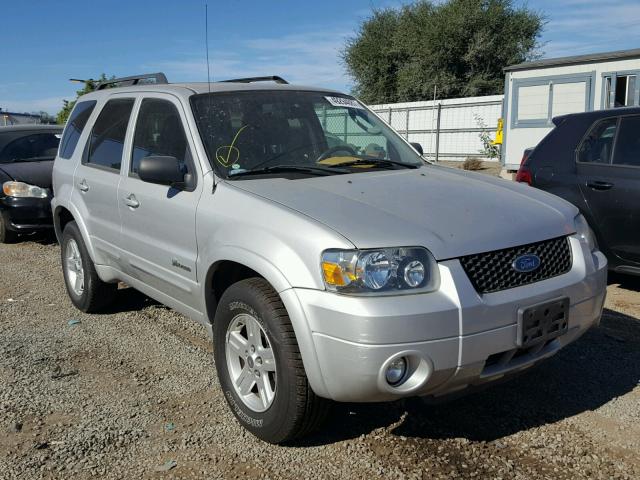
column 542, row 322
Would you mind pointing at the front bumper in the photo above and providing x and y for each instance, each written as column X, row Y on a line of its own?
column 454, row 338
column 25, row 215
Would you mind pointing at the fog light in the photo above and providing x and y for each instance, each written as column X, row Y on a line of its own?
column 396, row 371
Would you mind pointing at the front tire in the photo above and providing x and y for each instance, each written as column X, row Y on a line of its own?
column 86, row 291
column 260, row 367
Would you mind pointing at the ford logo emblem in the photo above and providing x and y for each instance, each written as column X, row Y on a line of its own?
column 526, row 263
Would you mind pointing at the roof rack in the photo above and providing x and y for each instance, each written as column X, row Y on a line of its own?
column 158, row 78
column 272, row 78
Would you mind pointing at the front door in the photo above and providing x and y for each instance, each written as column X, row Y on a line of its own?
column 609, row 176
column 159, row 222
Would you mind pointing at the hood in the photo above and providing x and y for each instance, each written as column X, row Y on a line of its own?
column 33, row 173
column 450, row 212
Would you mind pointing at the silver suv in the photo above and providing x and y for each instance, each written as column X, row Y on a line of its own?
column 328, row 260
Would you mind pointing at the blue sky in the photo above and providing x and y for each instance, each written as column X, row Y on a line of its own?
column 45, row 42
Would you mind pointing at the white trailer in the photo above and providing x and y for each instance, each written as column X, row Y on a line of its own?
column 536, row 92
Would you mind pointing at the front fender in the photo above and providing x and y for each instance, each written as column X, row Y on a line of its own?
column 278, row 281
column 252, row 260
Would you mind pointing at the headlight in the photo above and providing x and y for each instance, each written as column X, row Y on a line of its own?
column 22, row 190
column 583, row 230
column 386, row 270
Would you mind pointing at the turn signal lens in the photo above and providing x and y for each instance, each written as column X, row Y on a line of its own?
column 333, row 274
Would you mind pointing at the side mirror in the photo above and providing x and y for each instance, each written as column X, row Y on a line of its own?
column 163, row 170
column 418, row 147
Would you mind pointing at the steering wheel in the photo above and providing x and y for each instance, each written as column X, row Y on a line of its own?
column 338, row 148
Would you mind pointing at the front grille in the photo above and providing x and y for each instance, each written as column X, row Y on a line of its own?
column 493, row 271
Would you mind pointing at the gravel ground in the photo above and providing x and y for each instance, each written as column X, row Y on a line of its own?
column 132, row 394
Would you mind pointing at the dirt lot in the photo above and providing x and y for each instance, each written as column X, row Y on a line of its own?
column 489, row 168
column 124, row 394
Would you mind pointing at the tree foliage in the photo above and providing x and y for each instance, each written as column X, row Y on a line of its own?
column 67, row 105
column 460, row 46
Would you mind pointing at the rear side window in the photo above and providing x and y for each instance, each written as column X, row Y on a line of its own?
column 107, row 137
column 628, row 143
column 597, row 147
column 81, row 113
column 31, row 148
column 159, row 131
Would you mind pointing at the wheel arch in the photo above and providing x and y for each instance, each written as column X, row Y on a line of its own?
column 63, row 215
column 235, row 264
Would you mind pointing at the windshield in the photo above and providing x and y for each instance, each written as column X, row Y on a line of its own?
column 280, row 131
column 30, row 148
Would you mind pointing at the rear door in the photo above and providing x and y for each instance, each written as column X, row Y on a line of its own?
column 95, row 191
column 158, row 221
column 609, row 173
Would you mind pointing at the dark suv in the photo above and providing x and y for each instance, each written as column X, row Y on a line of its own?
column 593, row 160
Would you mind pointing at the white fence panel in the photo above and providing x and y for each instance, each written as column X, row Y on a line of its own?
column 447, row 129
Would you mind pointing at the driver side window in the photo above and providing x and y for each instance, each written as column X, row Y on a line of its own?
column 159, row 131
column 107, row 137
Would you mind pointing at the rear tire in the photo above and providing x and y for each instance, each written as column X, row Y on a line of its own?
column 86, row 291
column 6, row 235
column 289, row 409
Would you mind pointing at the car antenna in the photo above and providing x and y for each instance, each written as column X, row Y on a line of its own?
column 206, row 48
column 206, row 41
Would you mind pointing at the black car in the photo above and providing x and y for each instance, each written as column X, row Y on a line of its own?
column 592, row 160
column 26, row 162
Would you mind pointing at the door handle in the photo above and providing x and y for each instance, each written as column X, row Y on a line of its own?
column 598, row 185
column 131, row 201
column 83, row 186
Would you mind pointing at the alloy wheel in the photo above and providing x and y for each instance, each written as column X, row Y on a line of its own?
column 251, row 362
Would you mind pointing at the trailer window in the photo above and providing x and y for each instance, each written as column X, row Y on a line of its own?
column 536, row 101
column 620, row 91
column 533, row 102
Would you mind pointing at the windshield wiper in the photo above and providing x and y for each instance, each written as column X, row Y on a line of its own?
column 289, row 168
column 382, row 162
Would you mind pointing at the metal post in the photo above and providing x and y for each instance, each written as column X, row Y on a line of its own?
column 433, row 106
column 346, row 128
column 438, row 132
column 407, row 125
column 324, row 117
column 389, row 122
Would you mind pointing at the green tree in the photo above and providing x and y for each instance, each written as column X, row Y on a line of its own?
column 67, row 105
column 460, row 46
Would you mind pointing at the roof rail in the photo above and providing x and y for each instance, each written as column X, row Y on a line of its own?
column 158, row 78
column 272, row 78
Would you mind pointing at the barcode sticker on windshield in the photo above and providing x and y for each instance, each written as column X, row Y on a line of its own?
column 344, row 102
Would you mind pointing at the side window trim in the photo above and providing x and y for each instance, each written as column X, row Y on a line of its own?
column 87, row 144
column 586, row 135
column 190, row 158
